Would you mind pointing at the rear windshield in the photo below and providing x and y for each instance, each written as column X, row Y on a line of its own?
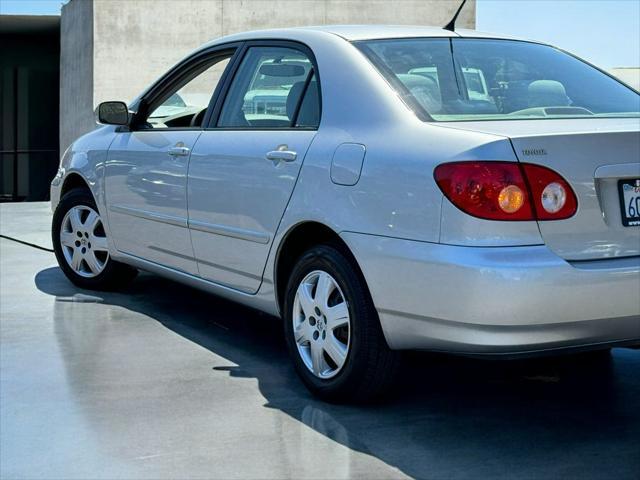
column 456, row 79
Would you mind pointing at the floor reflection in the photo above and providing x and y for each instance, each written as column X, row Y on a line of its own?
column 574, row 416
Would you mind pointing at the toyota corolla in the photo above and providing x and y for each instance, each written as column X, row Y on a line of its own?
column 378, row 188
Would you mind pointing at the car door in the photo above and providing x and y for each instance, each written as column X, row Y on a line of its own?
column 244, row 167
column 146, row 170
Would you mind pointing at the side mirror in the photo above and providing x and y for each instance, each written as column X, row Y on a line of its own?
column 113, row 113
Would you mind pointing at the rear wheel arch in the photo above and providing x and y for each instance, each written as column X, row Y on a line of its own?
column 299, row 239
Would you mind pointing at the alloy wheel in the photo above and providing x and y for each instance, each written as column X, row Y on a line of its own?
column 321, row 324
column 84, row 241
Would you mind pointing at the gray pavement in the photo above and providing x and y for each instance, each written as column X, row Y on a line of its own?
column 162, row 381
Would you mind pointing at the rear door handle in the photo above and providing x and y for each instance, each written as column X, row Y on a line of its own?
column 178, row 151
column 282, row 156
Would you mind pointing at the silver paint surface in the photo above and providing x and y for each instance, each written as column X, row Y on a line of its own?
column 242, row 205
column 232, row 184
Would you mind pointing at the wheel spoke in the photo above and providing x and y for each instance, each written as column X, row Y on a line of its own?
column 317, row 358
column 337, row 316
column 301, row 333
column 98, row 243
column 68, row 239
column 323, row 289
column 91, row 222
column 336, row 350
column 76, row 259
column 306, row 302
column 92, row 262
column 74, row 218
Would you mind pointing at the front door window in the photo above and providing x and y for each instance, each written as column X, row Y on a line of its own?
column 185, row 106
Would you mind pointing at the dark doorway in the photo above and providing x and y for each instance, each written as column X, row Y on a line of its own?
column 29, row 102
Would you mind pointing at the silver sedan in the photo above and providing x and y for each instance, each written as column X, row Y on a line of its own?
column 378, row 188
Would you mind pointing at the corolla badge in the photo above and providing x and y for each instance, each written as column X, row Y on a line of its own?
column 533, row 151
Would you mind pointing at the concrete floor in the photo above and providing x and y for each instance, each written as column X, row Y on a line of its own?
column 162, row 381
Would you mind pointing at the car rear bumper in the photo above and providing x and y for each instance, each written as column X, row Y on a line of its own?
column 500, row 300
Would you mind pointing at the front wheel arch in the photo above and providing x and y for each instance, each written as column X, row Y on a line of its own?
column 73, row 181
column 113, row 274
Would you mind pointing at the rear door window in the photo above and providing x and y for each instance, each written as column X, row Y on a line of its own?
column 272, row 87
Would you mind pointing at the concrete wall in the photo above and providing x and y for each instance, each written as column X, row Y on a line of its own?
column 76, row 71
column 132, row 43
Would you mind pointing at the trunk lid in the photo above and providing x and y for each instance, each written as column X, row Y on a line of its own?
column 592, row 155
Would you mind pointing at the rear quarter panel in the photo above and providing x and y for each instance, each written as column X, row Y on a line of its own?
column 396, row 195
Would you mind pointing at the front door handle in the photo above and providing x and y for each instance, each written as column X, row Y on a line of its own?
column 282, row 154
column 179, row 151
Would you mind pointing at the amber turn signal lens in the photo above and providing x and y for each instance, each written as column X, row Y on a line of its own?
column 511, row 199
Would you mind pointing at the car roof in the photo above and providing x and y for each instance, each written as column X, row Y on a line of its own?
column 366, row 32
column 358, row 32
column 370, row 32
column 349, row 33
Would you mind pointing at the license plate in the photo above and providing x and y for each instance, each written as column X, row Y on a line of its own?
column 630, row 202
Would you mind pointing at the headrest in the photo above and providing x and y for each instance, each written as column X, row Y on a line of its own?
column 424, row 89
column 547, row 93
column 293, row 97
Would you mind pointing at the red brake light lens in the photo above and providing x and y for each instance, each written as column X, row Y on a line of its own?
column 488, row 190
column 506, row 190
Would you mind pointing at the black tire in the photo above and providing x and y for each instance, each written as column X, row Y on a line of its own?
column 114, row 275
column 601, row 355
column 370, row 366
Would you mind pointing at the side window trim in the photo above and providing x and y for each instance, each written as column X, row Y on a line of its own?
column 230, row 74
column 178, row 73
column 221, row 89
column 212, row 119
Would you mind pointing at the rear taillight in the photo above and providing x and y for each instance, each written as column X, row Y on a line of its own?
column 506, row 190
column 553, row 197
